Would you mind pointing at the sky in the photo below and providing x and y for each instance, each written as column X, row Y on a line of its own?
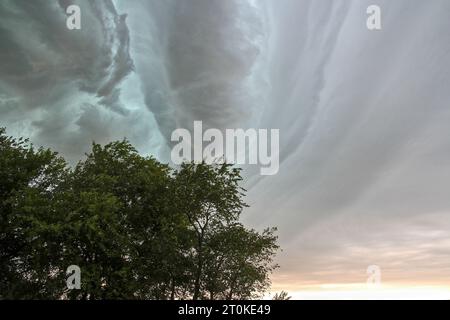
column 363, row 115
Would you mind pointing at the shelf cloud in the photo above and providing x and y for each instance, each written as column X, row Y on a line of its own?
column 364, row 173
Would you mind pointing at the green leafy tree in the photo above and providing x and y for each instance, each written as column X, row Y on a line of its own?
column 137, row 228
column 120, row 223
column 239, row 262
column 210, row 198
column 28, row 180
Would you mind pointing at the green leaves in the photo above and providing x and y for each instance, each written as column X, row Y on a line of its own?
column 136, row 228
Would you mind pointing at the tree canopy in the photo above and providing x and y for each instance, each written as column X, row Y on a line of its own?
column 137, row 228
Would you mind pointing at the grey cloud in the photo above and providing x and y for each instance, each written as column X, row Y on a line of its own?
column 50, row 72
column 198, row 60
column 362, row 133
column 363, row 116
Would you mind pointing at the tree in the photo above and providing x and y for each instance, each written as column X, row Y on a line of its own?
column 120, row 223
column 239, row 262
column 283, row 295
column 209, row 197
column 28, row 180
column 137, row 228
column 230, row 261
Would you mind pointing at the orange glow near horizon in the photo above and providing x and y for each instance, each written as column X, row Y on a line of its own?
column 361, row 291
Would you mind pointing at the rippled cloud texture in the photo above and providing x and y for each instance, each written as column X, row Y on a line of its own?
column 363, row 115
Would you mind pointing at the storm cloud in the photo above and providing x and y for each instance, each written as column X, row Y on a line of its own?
column 363, row 115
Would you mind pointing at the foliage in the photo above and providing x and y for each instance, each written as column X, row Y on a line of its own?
column 137, row 228
column 283, row 295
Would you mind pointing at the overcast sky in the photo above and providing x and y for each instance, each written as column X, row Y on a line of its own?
column 364, row 116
